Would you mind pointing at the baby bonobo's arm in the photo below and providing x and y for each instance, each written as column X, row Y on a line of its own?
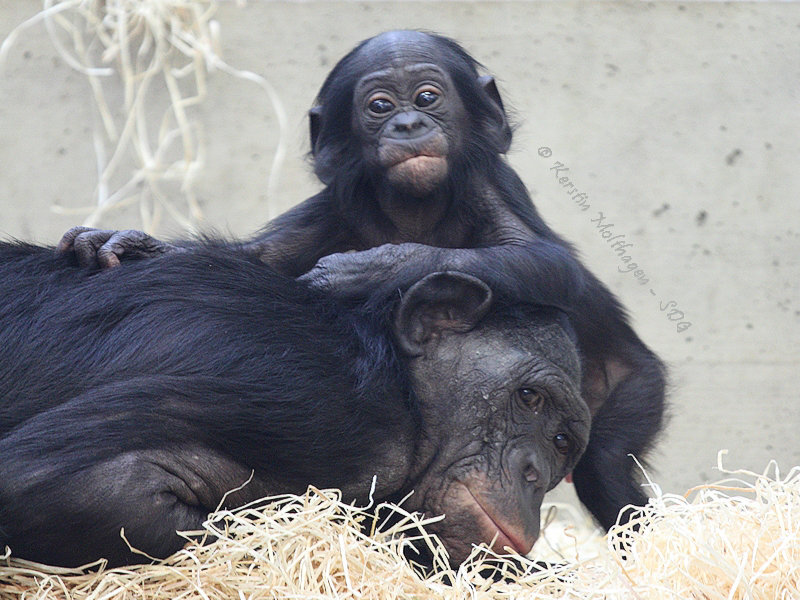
column 291, row 243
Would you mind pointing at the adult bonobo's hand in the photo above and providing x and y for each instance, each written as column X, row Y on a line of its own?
column 104, row 248
column 359, row 274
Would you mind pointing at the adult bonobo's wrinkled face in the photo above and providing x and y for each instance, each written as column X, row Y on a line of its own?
column 503, row 419
column 414, row 106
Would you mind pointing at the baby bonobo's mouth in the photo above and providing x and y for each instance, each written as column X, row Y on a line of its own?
column 415, row 158
column 432, row 146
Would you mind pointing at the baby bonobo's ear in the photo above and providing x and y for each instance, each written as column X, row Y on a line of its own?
column 501, row 130
column 314, row 124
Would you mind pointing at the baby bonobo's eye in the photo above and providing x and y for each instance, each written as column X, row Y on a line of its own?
column 531, row 398
column 562, row 443
column 380, row 105
column 426, row 97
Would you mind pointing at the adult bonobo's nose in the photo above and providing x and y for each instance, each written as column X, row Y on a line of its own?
column 531, row 469
column 530, row 473
column 409, row 125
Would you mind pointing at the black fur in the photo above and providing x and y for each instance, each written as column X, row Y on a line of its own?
column 480, row 220
column 65, row 331
column 631, row 411
column 212, row 349
column 137, row 397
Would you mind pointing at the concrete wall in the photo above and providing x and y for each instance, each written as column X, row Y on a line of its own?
column 680, row 121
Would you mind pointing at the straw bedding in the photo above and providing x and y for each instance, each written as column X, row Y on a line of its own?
column 738, row 539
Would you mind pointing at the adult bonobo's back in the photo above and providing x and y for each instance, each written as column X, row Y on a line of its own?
column 409, row 141
column 137, row 397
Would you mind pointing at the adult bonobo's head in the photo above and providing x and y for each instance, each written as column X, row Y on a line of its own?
column 502, row 417
column 409, row 109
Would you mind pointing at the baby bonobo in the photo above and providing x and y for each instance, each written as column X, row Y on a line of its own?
column 409, row 141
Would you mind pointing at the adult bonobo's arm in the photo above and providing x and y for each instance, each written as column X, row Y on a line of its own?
column 624, row 384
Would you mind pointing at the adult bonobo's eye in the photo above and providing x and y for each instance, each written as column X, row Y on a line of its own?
column 427, row 96
column 380, row 105
column 562, row 443
column 531, row 398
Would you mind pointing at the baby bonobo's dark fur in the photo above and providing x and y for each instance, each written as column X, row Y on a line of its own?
column 409, row 141
column 137, row 397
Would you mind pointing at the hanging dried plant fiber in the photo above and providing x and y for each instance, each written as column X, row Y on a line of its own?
column 738, row 539
column 149, row 149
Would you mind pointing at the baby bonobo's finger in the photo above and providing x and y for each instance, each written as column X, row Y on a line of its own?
column 130, row 244
column 65, row 243
column 108, row 255
column 87, row 244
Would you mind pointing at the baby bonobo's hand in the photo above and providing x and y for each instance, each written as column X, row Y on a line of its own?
column 359, row 274
column 102, row 248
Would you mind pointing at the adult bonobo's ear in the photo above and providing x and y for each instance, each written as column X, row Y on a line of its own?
column 444, row 301
column 314, row 123
column 488, row 85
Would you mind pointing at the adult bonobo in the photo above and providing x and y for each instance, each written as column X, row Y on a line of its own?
column 409, row 140
column 137, row 397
